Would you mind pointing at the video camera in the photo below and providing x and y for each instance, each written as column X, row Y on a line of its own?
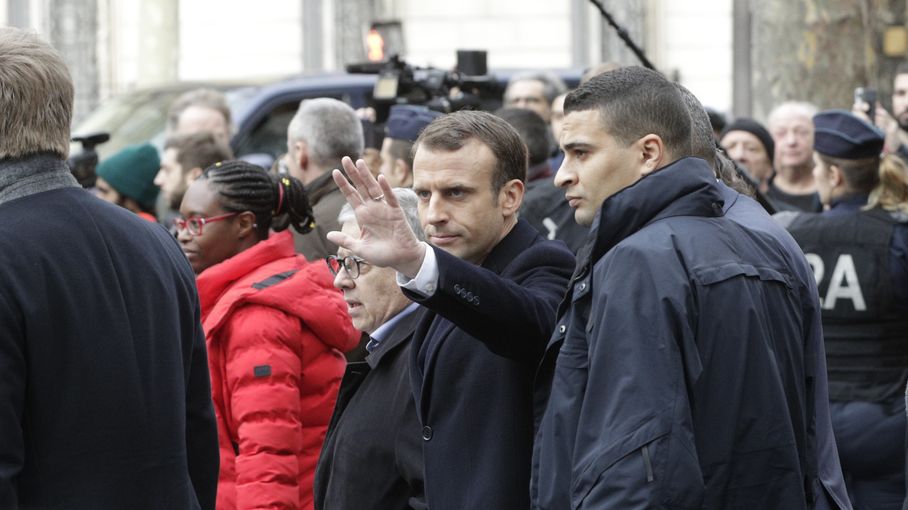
column 468, row 87
column 83, row 164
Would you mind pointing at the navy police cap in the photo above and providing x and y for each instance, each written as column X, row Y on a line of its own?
column 405, row 121
column 841, row 134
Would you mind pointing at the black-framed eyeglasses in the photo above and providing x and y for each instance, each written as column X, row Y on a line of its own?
column 351, row 264
column 195, row 223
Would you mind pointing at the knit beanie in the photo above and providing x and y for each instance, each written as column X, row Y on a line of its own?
column 132, row 171
column 755, row 128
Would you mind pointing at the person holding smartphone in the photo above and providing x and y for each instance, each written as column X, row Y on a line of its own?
column 894, row 124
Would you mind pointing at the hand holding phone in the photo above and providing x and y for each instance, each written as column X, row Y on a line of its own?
column 867, row 96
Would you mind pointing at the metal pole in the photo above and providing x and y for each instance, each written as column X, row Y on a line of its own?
column 580, row 51
column 17, row 14
column 742, row 91
column 313, row 35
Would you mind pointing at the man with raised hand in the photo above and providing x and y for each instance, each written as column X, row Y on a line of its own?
column 490, row 282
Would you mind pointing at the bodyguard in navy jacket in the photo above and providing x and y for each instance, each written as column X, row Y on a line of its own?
column 104, row 391
column 679, row 374
column 491, row 284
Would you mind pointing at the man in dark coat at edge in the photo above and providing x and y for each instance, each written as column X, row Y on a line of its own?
column 741, row 208
column 491, row 283
column 677, row 374
column 105, row 399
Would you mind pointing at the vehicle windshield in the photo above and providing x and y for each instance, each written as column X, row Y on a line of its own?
column 141, row 116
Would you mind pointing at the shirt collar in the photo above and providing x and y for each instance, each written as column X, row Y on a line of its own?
column 380, row 334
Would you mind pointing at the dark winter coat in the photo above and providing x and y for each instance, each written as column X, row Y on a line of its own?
column 473, row 360
column 678, row 372
column 372, row 456
column 104, row 393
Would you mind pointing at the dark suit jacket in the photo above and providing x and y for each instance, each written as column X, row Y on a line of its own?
column 372, row 455
column 472, row 365
column 105, row 399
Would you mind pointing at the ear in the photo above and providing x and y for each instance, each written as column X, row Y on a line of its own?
column 302, row 153
column 245, row 224
column 192, row 175
column 401, row 174
column 835, row 176
column 511, row 196
column 652, row 153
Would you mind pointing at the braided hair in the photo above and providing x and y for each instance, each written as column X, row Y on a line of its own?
column 277, row 201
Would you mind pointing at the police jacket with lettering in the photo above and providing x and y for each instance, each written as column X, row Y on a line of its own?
column 678, row 372
column 859, row 261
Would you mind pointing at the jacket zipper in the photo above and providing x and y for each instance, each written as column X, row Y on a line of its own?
column 648, row 464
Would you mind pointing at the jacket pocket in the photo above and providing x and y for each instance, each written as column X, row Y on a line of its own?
column 647, row 468
column 715, row 274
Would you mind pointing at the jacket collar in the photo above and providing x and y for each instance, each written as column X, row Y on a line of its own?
column 401, row 332
column 32, row 174
column 217, row 278
column 686, row 187
column 519, row 238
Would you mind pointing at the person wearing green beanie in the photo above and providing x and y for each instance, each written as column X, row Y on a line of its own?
column 127, row 179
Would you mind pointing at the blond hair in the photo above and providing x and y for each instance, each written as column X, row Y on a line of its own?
column 891, row 193
column 36, row 96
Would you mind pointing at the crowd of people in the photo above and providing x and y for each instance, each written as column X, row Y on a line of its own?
column 608, row 298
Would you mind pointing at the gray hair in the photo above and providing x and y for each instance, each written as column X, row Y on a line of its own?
column 409, row 203
column 331, row 130
column 36, row 96
column 208, row 98
column 552, row 85
column 803, row 107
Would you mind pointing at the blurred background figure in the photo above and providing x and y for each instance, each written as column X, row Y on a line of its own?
column 375, row 416
column 201, row 110
column 275, row 328
column 749, row 144
column 858, row 249
column 128, row 179
column 534, row 91
column 716, row 120
column 105, row 399
column 185, row 157
column 322, row 132
column 792, row 187
column 544, row 205
column 404, row 124
column 373, row 137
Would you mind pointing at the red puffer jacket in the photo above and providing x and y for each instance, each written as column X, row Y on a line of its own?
column 275, row 329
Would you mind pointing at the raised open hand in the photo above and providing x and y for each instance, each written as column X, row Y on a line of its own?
column 386, row 239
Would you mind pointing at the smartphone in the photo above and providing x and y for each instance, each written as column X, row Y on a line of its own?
column 867, row 95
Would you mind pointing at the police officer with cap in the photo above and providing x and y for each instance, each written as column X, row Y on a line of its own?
column 858, row 249
column 403, row 126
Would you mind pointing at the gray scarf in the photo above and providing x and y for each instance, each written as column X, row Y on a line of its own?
column 33, row 174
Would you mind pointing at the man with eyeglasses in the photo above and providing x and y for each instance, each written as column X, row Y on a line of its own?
column 490, row 282
column 375, row 413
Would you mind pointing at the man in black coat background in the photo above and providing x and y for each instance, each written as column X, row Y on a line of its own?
column 105, row 399
column 491, row 283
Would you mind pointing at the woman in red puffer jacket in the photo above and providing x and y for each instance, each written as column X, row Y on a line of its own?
column 275, row 327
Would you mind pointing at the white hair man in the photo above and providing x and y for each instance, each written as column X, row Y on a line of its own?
column 792, row 186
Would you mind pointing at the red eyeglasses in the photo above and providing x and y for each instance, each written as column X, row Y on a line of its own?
column 195, row 223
